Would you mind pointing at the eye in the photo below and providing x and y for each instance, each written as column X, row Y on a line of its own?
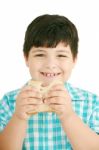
column 39, row 55
column 62, row 56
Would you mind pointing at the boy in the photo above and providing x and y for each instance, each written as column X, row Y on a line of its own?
column 50, row 51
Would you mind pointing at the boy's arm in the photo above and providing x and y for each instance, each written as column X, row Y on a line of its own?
column 80, row 135
column 11, row 138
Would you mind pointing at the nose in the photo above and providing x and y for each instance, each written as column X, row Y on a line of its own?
column 51, row 63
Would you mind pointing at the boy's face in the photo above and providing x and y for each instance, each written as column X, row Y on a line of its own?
column 48, row 64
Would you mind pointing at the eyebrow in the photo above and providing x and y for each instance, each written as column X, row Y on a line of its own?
column 41, row 50
column 38, row 50
column 63, row 51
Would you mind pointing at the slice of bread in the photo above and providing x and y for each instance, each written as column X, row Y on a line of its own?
column 43, row 89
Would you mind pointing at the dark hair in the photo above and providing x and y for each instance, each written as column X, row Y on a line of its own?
column 48, row 31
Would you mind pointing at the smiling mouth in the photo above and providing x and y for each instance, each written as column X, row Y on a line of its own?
column 50, row 74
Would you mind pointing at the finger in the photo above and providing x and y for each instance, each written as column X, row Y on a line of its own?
column 31, row 109
column 57, row 89
column 31, row 94
column 28, row 108
column 55, row 100
column 31, row 101
column 57, row 108
column 28, row 88
column 23, row 92
column 25, row 111
column 56, row 94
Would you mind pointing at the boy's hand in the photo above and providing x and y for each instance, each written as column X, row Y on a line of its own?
column 60, row 101
column 26, row 102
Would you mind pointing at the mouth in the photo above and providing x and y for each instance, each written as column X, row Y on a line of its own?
column 50, row 75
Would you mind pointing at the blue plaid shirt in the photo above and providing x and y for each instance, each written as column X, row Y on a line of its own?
column 44, row 130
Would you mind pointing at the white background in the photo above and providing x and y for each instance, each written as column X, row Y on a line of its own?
column 15, row 15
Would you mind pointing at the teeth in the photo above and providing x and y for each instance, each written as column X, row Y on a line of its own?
column 50, row 74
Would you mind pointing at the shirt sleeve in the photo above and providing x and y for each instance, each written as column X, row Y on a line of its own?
column 94, row 119
column 5, row 112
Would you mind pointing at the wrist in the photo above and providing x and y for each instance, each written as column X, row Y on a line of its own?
column 19, row 119
column 66, row 118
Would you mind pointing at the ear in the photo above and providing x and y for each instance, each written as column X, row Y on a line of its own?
column 75, row 61
column 26, row 60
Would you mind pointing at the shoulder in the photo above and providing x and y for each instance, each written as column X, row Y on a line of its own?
column 9, row 98
column 81, row 94
column 8, row 102
column 12, row 93
column 7, row 107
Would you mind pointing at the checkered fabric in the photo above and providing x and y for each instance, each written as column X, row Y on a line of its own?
column 44, row 130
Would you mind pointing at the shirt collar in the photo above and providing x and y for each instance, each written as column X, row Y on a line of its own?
column 76, row 93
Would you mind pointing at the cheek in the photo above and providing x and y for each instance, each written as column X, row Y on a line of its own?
column 34, row 67
column 33, row 64
column 67, row 69
column 66, row 66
